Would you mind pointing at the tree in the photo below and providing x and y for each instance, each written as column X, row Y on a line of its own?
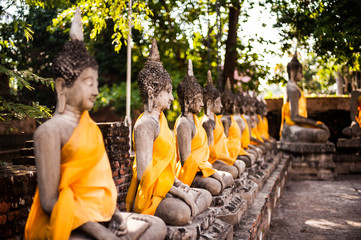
column 329, row 28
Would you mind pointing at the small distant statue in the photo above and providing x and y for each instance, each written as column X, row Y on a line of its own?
column 231, row 127
column 262, row 124
column 217, row 140
column 76, row 195
column 154, row 189
column 193, row 167
column 354, row 130
column 295, row 125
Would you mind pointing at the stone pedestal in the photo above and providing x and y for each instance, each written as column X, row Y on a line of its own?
column 310, row 161
column 348, row 156
column 256, row 222
column 203, row 226
column 229, row 206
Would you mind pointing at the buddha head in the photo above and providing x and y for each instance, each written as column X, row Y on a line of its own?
column 211, row 96
column 240, row 101
column 294, row 69
column 155, row 83
column 189, row 93
column 75, row 72
column 228, row 99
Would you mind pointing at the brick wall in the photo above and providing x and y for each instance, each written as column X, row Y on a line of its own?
column 116, row 141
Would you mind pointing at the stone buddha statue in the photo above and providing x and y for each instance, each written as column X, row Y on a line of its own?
column 217, row 140
column 354, row 130
column 193, row 167
column 76, row 195
column 155, row 189
column 244, row 129
column 232, row 129
column 261, row 110
column 256, row 141
column 295, row 125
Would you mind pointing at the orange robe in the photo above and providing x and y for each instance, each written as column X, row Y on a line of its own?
column 158, row 177
column 86, row 192
column 302, row 111
column 246, row 137
column 263, row 126
column 218, row 148
column 358, row 116
column 197, row 159
column 234, row 140
column 255, row 133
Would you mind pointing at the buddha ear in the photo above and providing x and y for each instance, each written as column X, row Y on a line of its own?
column 209, row 103
column 186, row 105
column 60, row 88
column 150, row 98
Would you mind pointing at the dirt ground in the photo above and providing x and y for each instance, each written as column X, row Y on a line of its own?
column 319, row 210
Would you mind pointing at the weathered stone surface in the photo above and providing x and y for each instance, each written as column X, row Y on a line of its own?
column 116, row 142
column 311, row 160
column 256, row 223
column 349, row 143
column 303, row 147
column 203, row 226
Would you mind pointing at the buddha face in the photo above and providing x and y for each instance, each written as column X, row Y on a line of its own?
column 298, row 74
column 164, row 99
column 82, row 94
column 216, row 106
column 196, row 104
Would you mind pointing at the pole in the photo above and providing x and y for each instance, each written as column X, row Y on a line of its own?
column 128, row 118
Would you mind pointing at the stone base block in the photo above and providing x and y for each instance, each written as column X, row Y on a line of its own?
column 348, row 156
column 311, row 161
column 229, row 206
column 204, row 226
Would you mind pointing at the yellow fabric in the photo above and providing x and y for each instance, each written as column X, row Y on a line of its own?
column 218, row 148
column 358, row 118
column 86, row 192
column 158, row 177
column 197, row 159
column 234, row 139
column 263, row 126
column 302, row 111
column 246, row 137
column 255, row 133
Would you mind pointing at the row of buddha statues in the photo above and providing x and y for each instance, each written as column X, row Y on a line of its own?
column 174, row 175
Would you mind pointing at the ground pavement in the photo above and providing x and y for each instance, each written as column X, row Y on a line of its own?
column 319, row 210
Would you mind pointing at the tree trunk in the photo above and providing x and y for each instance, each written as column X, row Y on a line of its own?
column 339, row 87
column 231, row 44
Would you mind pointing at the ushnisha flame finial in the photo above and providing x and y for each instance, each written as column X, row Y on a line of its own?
column 190, row 68
column 154, row 52
column 76, row 30
column 228, row 85
column 209, row 77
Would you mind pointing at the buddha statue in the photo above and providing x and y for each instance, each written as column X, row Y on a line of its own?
column 232, row 129
column 244, row 129
column 217, row 140
column 354, row 130
column 155, row 189
column 256, row 141
column 193, row 167
column 76, row 195
column 295, row 125
column 263, row 123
